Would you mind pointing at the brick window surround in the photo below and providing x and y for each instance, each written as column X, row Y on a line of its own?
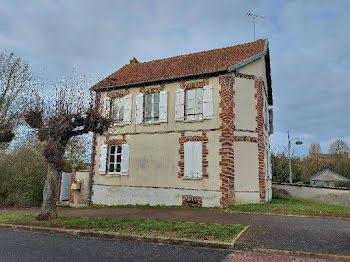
column 152, row 90
column 182, row 140
column 118, row 94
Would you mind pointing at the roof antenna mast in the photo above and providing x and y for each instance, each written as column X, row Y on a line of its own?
column 253, row 17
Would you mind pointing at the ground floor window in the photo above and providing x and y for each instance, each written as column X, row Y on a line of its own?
column 193, row 159
column 115, row 158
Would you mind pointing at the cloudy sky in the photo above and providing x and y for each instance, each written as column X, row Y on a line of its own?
column 309, row 45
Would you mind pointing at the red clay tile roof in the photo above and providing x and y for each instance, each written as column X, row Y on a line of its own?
column 184, row 65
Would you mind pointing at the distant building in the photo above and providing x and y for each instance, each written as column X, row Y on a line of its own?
column 326, row 177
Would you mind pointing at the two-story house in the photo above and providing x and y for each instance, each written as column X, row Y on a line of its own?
column 189, row 130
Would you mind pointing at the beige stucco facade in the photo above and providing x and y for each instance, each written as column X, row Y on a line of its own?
column 153, row 176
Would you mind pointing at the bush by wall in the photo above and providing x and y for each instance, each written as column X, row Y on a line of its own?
column 22, row 177
column 343, row 184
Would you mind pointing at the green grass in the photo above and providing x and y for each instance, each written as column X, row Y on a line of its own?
column 294, row 207
column 148, row 228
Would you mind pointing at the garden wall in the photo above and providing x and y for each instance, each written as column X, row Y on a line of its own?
column 332, row 196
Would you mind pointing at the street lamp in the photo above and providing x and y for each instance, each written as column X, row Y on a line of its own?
column 298, row 142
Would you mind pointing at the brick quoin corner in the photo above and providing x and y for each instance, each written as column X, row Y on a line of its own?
column 227, row 127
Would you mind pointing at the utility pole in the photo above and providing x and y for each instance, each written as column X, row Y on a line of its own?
column 253, row 17
column 298, row 142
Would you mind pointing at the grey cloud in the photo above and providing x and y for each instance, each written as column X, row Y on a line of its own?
column 309, row 43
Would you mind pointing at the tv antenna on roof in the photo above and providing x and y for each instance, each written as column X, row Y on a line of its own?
column 253, row 17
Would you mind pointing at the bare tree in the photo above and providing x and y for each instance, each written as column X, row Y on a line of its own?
column 315, row 149
column 71, row 114
column 338, row 147
column 16, row 92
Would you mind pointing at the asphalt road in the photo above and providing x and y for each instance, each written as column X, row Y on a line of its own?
column 28, row 246
column 316, row 235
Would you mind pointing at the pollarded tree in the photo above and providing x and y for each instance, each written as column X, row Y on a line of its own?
column 338, row 147
column 315, row 149
column 16, row 90
column 71, row 114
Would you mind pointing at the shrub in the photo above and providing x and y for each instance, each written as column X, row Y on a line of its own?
column 22, row 176
column 343, row 184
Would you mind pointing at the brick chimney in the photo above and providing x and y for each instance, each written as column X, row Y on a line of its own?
column 133, row 61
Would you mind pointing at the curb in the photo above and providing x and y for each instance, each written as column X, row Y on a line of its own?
column 110, row 235
column 285, row 215
column 302, row 253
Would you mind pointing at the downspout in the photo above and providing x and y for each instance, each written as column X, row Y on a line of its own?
column 91, row 170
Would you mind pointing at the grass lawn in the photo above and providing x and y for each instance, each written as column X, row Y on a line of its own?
column 147, row 228
column 294, row 207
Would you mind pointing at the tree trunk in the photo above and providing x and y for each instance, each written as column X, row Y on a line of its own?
column 48, row 208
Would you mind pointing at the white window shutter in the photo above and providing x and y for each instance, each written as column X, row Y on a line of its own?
column 105, row 106
column 103, row 159
column 124, row 170
column 139, row 108
column 269, row 174
column 207, row 102
column 163, row 106
column 197, row 155
column 188, row 152
column 127, row 109
column 180, row 105
column 193, row 160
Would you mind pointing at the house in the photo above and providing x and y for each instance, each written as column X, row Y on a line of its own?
column 189, row 130
column 326, row 177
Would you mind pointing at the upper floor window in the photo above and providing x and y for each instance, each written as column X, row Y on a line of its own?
column 194, row 104
column 152, row 107
column 118, row 109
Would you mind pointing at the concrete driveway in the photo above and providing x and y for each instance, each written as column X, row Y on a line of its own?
column 316, row 235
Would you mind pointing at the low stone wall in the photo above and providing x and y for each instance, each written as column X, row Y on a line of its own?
column 332, row 196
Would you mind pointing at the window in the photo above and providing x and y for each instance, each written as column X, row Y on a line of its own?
column 118, row 109
column 193, row 160
column 194, row 104
column 115, row 158
column 152, row 108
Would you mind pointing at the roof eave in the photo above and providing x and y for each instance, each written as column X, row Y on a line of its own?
column 155, row 81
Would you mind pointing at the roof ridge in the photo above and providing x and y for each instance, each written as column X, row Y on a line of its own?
column 194, row 53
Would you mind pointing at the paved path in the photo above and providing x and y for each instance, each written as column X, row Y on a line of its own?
column 316, row 235
column 28, row 246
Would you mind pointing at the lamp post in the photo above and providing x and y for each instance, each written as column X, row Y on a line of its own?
column 298, row 142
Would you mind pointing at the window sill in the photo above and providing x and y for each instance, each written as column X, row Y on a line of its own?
column 112, row 175
column 196, row 120
column 120, row 124
column 151, row 123
column 192, row 178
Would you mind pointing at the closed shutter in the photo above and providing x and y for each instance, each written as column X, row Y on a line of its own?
column 269, row 174
column 163, row 106
column 208, row 102
column 105, row 106
column 270, row 121
column 180, row 105
column 125, row 160
column 103, row 159
column 127, row 109
column 139, row 108
column 193, row 160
